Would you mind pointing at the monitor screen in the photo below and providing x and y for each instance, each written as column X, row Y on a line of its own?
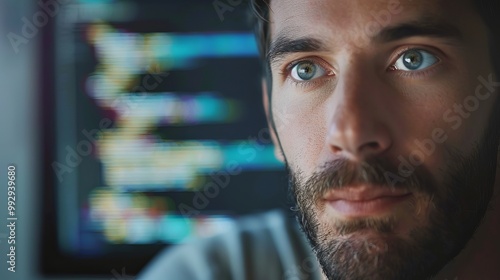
column 157, row 130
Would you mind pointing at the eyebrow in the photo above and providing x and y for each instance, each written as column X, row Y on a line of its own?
column 428, row 27
column 285, row 44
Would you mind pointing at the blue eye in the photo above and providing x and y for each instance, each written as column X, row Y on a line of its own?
column 413, row 60
column 306, row 70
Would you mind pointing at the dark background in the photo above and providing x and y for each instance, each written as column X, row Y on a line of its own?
column 31, row 137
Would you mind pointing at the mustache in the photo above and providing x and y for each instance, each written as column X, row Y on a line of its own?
column 377, row 172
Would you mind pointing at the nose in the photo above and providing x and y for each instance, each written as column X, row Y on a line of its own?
column 358, row 125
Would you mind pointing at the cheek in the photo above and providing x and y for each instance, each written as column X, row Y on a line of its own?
column 448, row 116
column 465, row 105
column 301, row 129
column 462, row 115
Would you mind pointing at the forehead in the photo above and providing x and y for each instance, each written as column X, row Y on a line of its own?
column 346, row 19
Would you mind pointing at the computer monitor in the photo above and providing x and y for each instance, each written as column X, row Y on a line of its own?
column 154, row 130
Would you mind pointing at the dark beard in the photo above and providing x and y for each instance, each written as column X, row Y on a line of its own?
column 456, row 209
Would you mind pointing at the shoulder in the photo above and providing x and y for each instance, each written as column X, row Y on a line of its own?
column 262, row 246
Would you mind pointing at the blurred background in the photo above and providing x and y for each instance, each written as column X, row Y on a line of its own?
column 133, row 125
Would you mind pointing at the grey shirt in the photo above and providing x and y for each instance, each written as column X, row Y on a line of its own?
column 260, row 247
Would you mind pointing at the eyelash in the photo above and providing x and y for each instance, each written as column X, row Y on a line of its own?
column 286, row 72
column 417, row 73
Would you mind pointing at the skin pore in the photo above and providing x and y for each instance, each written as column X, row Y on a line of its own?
column 364, row 94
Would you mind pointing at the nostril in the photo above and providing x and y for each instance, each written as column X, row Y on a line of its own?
column 357, row 142
column 336, row 149
column 370, row 147
column 373, row 145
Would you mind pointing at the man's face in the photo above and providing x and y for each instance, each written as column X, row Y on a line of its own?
column 390, row 145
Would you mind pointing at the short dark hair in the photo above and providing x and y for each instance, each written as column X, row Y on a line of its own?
column 260, row 21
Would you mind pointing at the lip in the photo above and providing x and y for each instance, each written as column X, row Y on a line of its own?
column 365, row 200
